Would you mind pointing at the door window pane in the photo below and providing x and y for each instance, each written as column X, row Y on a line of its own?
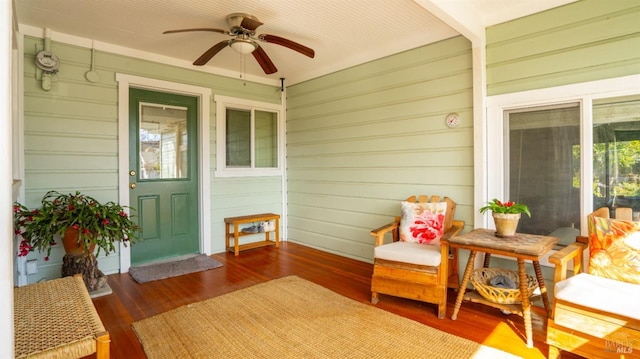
column 616, row 154
column 543, row 161
column 163, row 142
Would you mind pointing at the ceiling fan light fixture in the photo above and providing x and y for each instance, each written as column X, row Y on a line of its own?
column 243, row 46
column 242, row 29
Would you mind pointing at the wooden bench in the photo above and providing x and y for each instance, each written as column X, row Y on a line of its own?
column 57, row 318
column 236, row 234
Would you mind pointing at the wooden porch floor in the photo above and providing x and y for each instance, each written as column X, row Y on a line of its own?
column 131, row 301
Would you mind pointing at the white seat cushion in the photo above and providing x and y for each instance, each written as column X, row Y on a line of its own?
column 609, row 295
column 409, row 252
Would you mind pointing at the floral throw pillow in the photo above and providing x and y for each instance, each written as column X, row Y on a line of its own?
column 614, row 249
column 422, row 222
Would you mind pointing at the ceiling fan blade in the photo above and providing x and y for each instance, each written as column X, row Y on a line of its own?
column 204, row 58
column 196, row 29
column 264, row 61
column 288, row 43
column 249, row 23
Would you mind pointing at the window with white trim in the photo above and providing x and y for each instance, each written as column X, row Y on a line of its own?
column 249, row 138
column 564, row 151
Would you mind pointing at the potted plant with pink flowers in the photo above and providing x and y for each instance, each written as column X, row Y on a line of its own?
column 81, row 223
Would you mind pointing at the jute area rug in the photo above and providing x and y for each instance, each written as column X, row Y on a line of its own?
column 167, row 269
column 294, row 318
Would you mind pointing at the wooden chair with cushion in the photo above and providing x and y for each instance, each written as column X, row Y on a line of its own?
column 416, row 265
column 596, row 314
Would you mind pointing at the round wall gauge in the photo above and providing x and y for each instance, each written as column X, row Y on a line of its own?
column 452, row 120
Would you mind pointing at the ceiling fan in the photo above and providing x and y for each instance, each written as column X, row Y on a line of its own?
column 242, row 29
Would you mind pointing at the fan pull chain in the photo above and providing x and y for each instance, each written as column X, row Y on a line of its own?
column 244, row 74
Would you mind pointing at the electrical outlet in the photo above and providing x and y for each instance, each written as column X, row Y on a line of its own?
column 32, row 266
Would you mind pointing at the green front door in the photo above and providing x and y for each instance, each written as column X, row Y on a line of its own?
column 163, row 181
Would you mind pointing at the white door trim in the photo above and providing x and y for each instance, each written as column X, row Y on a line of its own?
column 204, row 185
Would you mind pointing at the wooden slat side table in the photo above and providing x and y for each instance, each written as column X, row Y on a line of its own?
column 236, row 234
column 522, row 247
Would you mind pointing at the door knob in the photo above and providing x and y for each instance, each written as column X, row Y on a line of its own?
column 132, row 185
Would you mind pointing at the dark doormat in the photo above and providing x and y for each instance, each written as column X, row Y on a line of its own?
column 162, row 270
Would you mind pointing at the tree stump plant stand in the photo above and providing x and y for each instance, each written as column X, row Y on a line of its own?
column 87, row 265
column 79, row 261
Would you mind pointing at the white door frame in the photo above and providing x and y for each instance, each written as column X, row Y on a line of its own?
column 204, row 185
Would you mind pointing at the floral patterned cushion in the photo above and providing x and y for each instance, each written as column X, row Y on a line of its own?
column 614, row 249
column 422, row 222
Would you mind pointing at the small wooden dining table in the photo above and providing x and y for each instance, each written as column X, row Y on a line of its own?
column 522, row 247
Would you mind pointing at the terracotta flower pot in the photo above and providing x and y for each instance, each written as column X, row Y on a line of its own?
column 71, row 245
column 506, row 224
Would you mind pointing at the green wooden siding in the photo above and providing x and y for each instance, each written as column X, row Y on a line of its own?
column 358, row 140
column 362, row 139
column 583, row 41
column 71, row 137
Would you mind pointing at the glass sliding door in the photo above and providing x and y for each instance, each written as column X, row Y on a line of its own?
column 542, row 169
column 543, row 162
column 616, row 153
column 564, row 151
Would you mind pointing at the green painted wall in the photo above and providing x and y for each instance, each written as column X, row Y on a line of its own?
column 358, row 140
column 71, row 137
column 582, row 41
column 361, row 140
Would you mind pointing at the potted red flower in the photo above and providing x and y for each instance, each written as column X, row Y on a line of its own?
column 506, row 215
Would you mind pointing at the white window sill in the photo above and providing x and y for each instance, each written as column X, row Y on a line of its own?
column 248, row 173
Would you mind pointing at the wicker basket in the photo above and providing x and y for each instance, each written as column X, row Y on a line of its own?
column 480, row 279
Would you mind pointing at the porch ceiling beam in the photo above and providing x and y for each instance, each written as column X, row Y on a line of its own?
column 461, row 15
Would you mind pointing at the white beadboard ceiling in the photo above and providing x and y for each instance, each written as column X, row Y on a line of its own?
column 343, row 33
